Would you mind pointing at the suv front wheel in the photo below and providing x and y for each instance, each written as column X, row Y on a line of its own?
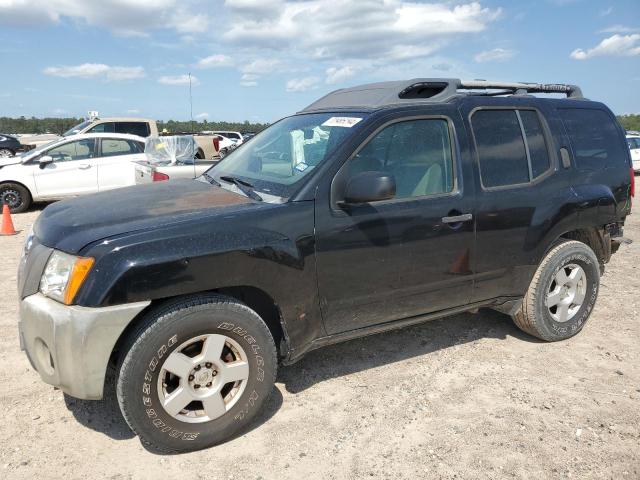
column 195, row 373
column 562, row 293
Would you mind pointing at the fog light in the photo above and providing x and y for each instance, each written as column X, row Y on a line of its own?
column 44, row 359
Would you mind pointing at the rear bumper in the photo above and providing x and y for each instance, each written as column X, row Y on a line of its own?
column 70, row 346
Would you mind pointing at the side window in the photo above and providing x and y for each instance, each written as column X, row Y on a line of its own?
column 133, row 128
column 116, row 146
column 594, row 138
column 538, row 151
column 417, row 153
column 511, row 146
column 106, row 127
column 78, row 150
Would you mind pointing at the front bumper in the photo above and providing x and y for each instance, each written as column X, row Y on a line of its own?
column 70, row 346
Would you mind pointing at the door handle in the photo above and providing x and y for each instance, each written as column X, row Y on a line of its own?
column 84, row 166
column 457, row 218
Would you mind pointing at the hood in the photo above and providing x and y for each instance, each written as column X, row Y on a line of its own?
column 70, row 225
column 10, row 161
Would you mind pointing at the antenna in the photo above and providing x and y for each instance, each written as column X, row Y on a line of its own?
column 193, row 130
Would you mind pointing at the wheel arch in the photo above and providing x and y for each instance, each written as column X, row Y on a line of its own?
column 256, row 299
column 596, row 238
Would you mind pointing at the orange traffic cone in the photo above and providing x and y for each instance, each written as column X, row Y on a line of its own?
column 7, row 223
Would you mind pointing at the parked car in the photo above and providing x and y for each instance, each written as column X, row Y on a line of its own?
column 237, row 137
column 143, row 127
column 72, row 166
column 634, row 147
column 375, row 207
column 9, row 146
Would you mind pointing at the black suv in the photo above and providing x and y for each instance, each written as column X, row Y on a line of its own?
column 375, row 207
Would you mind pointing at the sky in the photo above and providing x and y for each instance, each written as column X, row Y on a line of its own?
column 260, row 60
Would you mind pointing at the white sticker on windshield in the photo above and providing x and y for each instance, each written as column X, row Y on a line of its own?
column 347, row 122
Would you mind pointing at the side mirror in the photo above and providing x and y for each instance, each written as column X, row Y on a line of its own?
column 44, row 161
column 368, row 187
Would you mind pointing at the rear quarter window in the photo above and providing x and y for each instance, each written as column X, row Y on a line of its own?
column 594, row 137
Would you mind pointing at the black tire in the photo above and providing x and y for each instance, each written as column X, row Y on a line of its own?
column 16, row 196
column 535, row 317
column 164, row 331
column 222, row 153
column 199, row 155
column 6, row 153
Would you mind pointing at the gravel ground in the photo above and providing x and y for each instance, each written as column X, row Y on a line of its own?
column 465, row 397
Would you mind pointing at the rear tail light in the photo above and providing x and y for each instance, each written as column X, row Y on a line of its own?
column 159, row 177
column 216, row 143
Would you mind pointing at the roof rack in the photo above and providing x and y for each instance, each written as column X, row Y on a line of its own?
column 519, row 88
column 376, row 95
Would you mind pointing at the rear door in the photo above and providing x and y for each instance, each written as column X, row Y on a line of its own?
column 72, row 172
column 517, row 191
column 389, row 260
column 115, row 168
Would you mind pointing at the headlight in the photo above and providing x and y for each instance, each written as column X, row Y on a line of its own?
column 63, row 276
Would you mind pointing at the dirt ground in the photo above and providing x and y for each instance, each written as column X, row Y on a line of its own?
column 465, row 397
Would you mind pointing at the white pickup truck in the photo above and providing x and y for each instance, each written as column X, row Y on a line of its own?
column 208, row 146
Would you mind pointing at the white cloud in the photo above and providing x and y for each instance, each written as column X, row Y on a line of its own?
column 619, row 29
column 357, row 30
column 606, row 11
column 96, row 70
column 180, row 80
column 248, row 83
column 302, row 84
column 495, row 55
column 616, row 45
column 202, row 116
column 125, row 17
column 261, row 66
column 215, row 61
column 339, row 75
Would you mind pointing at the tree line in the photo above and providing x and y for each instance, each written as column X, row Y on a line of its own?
column 61, row 125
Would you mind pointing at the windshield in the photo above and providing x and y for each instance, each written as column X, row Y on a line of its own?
column 278, row 158
column 77, row 128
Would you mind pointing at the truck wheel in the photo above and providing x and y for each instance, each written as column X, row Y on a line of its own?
column 562, row 293
column 5, row 153
column 223, row 153
column 195, row 372
column 16, row 196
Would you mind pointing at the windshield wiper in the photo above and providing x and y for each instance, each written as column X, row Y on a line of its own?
column 243, row 185
column 211, row 180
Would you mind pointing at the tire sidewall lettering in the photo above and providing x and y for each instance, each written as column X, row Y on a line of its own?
column 149, row 394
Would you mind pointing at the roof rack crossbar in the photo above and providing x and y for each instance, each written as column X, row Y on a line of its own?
column 571, row 91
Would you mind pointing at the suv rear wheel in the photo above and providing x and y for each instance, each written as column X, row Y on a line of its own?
column 195, row 373
column 562, row 293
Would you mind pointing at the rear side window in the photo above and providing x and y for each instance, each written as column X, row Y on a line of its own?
column 107, row 127
column 133, row 128
column 594, row 138
column 116, row 146
column 511, row 146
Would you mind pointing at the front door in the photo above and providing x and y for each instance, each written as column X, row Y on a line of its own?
column 72, row 172
column 404, row 257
